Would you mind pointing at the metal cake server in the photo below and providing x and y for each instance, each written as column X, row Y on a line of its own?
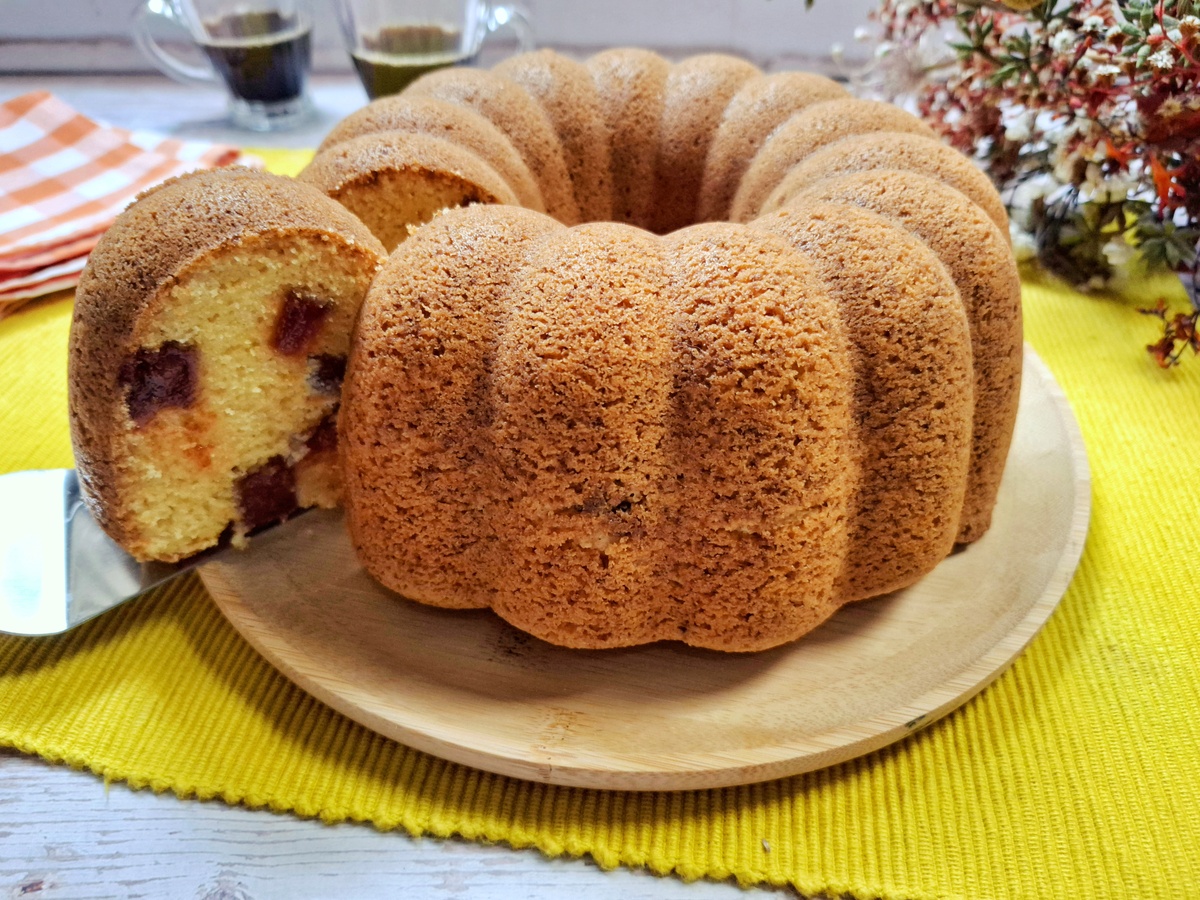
column 57, row 567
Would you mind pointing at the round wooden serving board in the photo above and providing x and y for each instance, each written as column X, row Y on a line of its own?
column 467, row 687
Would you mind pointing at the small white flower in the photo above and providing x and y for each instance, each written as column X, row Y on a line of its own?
column 1111, row 189
column 1063, row 41
column 1108, row 70
column 1094, row 25
column 1162, row 59
column 1017, row 130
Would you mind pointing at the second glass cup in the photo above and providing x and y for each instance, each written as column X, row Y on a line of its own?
column 394, row 42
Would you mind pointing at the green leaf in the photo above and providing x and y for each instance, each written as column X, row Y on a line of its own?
column 1004, row 73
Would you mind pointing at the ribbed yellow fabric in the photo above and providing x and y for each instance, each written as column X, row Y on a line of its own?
column 1077, row 774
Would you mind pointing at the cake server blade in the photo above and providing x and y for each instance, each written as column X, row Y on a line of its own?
column 58, row 568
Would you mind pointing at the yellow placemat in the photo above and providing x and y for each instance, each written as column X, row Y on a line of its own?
column 1077, row 774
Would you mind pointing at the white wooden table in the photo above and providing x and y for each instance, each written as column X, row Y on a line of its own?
column 64, row 833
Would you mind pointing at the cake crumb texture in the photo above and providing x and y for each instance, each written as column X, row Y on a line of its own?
column 211, row 264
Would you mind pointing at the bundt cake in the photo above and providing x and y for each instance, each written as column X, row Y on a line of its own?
column 207, row 350
column 719, row 435
column 707, row 354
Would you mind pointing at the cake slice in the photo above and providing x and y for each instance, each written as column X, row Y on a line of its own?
column 209, row 339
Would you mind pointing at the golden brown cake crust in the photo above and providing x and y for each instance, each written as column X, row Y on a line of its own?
column 807, row 132
column 904, row 152
column 913, row 395
column 565, row 91
column 449, row 121
column 755, row 111
column 697, row 92
column 520, row 118
column 630, row 84
column 976, row 254
column 168, row 230
column 455, row 271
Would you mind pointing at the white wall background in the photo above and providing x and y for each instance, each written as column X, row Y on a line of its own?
column 75, row 35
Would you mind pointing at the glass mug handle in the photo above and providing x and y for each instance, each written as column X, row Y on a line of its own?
column 167, row 64
column 514, row 16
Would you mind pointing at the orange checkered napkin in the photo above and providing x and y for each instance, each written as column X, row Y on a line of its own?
column 63, row 179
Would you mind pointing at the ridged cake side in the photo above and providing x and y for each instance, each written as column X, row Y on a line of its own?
column 899, row 152
column 564, row 90
column 448, row 121
column 630, row 84
column 687, row 437
column 415, row 428
column 977, row 256
column 395, row 181
column 913, row 389
column 695, row 97
column 752, row 115
column 807, row 132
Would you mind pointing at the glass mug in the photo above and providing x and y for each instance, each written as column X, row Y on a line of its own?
column 394, row 42
column 260, row 50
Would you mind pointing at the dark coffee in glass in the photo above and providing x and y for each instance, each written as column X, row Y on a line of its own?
column 393, row 57
column 260, row 51
column 263, row 56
